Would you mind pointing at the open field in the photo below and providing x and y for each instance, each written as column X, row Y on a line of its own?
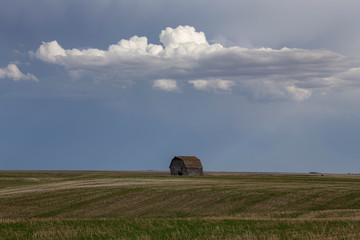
column 154, row 205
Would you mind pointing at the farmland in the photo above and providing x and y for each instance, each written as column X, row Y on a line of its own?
column 155, row 205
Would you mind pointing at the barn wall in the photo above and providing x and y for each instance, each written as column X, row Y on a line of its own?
column 177, row 167
column 195, row 171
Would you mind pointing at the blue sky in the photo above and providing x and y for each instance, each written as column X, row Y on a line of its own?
column 127, row 85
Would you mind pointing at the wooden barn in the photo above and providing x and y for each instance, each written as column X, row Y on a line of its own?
column 186, row 165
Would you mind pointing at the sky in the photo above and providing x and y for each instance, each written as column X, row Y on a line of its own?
column 245, row 85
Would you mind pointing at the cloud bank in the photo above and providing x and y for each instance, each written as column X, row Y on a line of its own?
column 186, row 55
column 11, row 71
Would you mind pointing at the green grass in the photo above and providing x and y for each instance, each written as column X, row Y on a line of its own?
column 125, row 205
column 179, row 229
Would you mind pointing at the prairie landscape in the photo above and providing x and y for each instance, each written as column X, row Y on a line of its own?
column 155, row 205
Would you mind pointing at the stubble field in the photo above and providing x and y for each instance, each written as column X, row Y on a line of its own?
column 155, row 205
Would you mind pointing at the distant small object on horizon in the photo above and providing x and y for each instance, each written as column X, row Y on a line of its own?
column 186, row 165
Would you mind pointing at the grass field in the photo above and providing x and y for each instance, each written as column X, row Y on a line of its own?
column 154, row 205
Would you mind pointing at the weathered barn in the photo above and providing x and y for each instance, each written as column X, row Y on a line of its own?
column 186, row 165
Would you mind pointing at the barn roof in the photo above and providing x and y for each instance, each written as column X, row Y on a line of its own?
column 190, row 161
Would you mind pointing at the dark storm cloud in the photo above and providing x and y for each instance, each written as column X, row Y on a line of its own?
column 301, row 24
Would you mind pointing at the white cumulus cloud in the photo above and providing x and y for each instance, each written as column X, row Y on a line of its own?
column 212, row 85
column 169, row 85
column 173, row 38
column 186, row 55
column 11, row 71
column 270, row 90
